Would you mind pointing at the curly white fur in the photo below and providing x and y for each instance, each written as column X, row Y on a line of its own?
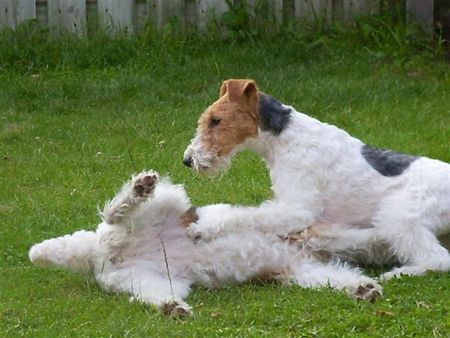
column 140, row 235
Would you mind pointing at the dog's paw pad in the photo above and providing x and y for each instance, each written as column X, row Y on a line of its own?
column 144, row 184
column 176, row 309
column 370, row 291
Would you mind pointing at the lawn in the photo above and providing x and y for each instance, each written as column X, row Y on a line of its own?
column 78, row 119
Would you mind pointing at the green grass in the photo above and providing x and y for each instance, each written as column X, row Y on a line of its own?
column 78, row 117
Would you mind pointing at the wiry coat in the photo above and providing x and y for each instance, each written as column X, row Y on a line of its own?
column 367, row 204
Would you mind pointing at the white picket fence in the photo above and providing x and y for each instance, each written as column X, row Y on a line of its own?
column 131, row 15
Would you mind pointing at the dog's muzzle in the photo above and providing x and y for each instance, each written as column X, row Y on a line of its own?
column 187, row 161
column 202, row 160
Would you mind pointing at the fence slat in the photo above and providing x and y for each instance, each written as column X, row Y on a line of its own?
column 277, row 10
column 161, row 11
column 132, row 15
column 354, row 8
column 141, row 14
column 7, row 14
column 310, row 10
column 370, row 7
column 251, row 6
column 13, row 12
column 25, row 10
column 208, row 10
column 67, row 15
column 116, row 15
column 421, row 11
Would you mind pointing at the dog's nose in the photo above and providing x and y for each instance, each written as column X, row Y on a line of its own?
column 187, row 161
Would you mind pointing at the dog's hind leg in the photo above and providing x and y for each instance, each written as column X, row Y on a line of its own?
column 409, row 221
column 152, row 288
column 420, row 251
column 72, row 252
column 133, row 192
column 338, row 276
column 167, row 296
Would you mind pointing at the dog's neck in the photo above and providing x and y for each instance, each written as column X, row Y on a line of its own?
column 298, row 148
column 278, row 143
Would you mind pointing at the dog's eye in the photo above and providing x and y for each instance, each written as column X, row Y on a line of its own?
column 214, row 121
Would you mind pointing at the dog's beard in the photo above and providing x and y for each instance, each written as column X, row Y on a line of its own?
column 210, row 164
column 206, row 162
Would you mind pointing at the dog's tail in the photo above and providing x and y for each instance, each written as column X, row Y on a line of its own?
column 73, row 252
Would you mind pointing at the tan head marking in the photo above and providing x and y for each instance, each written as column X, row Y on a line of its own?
column 230, row 120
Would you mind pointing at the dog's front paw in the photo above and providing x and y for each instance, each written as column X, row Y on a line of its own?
column 176, row 309
column 210, row 222
column 144, row 184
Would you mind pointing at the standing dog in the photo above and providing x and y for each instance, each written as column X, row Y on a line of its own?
column 384, row 205
column 141, row 248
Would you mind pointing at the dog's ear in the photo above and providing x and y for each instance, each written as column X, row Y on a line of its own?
column 249, row 89
column 223, row 88
column 237, row 89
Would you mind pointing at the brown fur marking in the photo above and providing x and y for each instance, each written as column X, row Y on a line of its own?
column 233, row 118
column 315, row 230
column 301, row 238
column 283, row 276
column 190, row 216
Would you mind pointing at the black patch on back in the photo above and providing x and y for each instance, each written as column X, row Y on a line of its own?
column 387, row 162
column 274, row 117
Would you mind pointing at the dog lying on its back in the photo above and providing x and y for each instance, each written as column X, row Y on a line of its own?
column 142, row 248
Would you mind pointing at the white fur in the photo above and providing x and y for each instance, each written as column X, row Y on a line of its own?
column 319, row 175
column 126, row 254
